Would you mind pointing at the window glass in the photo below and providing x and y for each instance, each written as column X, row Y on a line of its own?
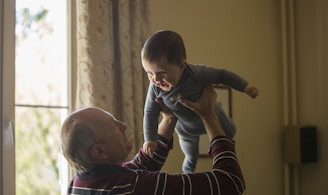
column 41, row 95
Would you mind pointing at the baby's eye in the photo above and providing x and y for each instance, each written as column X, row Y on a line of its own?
column 162, row 73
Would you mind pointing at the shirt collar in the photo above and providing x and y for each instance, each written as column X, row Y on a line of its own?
column 104, row 169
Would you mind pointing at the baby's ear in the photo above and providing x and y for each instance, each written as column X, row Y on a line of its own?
column 183, row 64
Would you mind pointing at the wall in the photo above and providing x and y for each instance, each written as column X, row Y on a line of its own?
column 312, row 69
column 245, row 37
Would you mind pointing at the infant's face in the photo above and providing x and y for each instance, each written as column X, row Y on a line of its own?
column 164, row 74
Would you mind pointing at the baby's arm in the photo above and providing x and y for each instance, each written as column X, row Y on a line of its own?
column 251, row 90
column 165, row 128
column 150, row 121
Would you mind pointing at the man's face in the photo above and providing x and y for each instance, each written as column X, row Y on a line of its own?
column 164, row 74
column 111, row 135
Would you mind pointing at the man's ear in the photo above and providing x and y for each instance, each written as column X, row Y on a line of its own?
column 98, row 152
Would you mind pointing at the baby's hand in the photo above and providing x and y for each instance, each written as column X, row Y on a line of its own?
column 251, row 91
column 149, row 147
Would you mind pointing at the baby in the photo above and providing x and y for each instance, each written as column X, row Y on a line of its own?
column 171, row 78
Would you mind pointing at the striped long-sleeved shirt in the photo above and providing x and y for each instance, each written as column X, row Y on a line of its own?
column 142, row 176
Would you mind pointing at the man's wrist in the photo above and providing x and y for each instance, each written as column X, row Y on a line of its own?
column 212, row 125
column 208, row 115
column 168, row 143
column 167, row 125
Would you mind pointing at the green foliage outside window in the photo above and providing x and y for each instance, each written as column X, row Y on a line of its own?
column 37, row 151
column 39, row 79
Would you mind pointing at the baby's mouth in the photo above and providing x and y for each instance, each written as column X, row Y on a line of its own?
column 163, row 84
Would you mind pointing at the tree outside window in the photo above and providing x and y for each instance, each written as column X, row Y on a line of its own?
column 41, row 94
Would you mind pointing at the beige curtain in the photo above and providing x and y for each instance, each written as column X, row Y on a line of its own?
column 109, row 37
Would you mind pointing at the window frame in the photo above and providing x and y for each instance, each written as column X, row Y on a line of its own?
column 7, row 94
column 7, row 91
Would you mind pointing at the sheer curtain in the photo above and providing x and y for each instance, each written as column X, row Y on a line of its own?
column 109, row 35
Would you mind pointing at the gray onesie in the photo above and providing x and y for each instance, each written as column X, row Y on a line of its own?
column 189, row 126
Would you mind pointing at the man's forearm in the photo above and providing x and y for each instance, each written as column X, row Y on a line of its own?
column 166, row 127
column 212, row 126
column 152, row 163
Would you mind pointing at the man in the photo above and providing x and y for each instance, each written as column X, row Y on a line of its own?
column 95, row 144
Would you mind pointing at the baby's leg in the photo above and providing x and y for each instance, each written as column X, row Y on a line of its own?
column 227, row 123
column 189, row 146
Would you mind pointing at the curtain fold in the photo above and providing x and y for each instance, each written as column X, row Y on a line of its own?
column 109, row 37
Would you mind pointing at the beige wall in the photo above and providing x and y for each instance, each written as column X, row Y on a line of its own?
column 245, row 37
column 312, row 61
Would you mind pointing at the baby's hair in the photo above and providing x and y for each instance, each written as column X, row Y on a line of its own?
column 164, row 43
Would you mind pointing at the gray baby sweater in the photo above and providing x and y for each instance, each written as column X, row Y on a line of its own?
column 189, row 87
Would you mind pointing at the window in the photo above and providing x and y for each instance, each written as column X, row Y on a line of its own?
column 41, row 95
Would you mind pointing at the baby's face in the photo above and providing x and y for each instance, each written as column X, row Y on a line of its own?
column 164, row 74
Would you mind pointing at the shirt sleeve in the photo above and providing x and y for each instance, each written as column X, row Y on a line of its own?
column 224, row 178
column 215, row 75
column 151, row 163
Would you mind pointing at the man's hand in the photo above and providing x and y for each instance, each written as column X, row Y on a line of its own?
column 206, row 103
column 165, row 110
column 205, row 108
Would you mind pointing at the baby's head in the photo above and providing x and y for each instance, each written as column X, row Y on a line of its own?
column 164, row 43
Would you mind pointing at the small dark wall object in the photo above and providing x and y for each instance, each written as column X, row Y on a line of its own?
column 300, row 144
